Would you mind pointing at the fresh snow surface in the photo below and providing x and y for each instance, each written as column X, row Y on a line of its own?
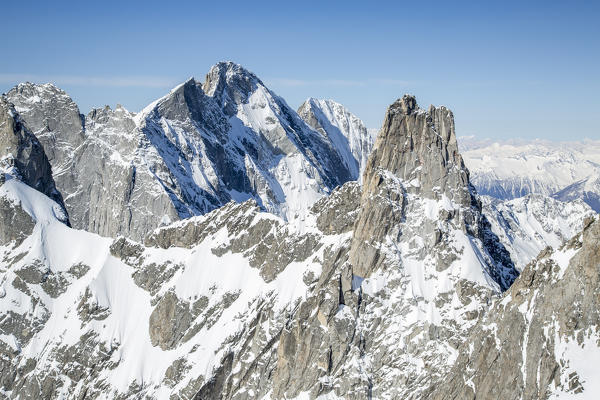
column 582, row 358
column 42, row 209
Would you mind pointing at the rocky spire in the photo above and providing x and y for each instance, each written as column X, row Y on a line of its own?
column 420, row 146
column 415, row 169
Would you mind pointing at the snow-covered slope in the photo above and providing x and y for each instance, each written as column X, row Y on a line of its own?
column 507, row 170
column 346, row 130
column 540, row 341
column 96, row 314
column 529, row 224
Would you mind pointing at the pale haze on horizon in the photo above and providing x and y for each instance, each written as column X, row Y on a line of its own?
column 506, row 70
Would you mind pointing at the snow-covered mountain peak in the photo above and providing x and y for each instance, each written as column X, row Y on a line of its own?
column 587, row 189
column 345, row 130
column 39, row 91
column 230, row 84
column 368, row 293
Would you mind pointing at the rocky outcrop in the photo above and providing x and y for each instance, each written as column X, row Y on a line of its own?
column 337, row 213
column 527, row 346
column 15, row 224
column 22, row 158
column 93, row 162
column 372, row 292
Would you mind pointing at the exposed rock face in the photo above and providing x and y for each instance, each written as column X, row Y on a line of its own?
column 241, row 304
column 418, row 232
column 16, row 224
column 22, row 158
column 94, row 162
column 55, row 120
column 529, row 344
column 337, row 213
column 277, row 130
column 369, row 293
column 169, row 321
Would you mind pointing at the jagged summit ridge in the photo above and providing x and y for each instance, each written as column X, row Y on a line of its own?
column 368, row 296
column 369, row 293
column 416, row 168
column 407, row 104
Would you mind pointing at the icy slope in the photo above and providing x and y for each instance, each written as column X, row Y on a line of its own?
column 346, row 130
column 529, row 224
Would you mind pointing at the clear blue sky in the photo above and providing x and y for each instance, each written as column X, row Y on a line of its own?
column 507, row 69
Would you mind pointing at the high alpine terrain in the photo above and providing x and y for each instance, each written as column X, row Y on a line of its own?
column 220, row 245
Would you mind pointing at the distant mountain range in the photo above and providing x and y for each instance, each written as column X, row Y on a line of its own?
column 514, row 168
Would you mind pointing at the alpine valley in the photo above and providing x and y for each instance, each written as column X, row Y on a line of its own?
column 221, row 245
